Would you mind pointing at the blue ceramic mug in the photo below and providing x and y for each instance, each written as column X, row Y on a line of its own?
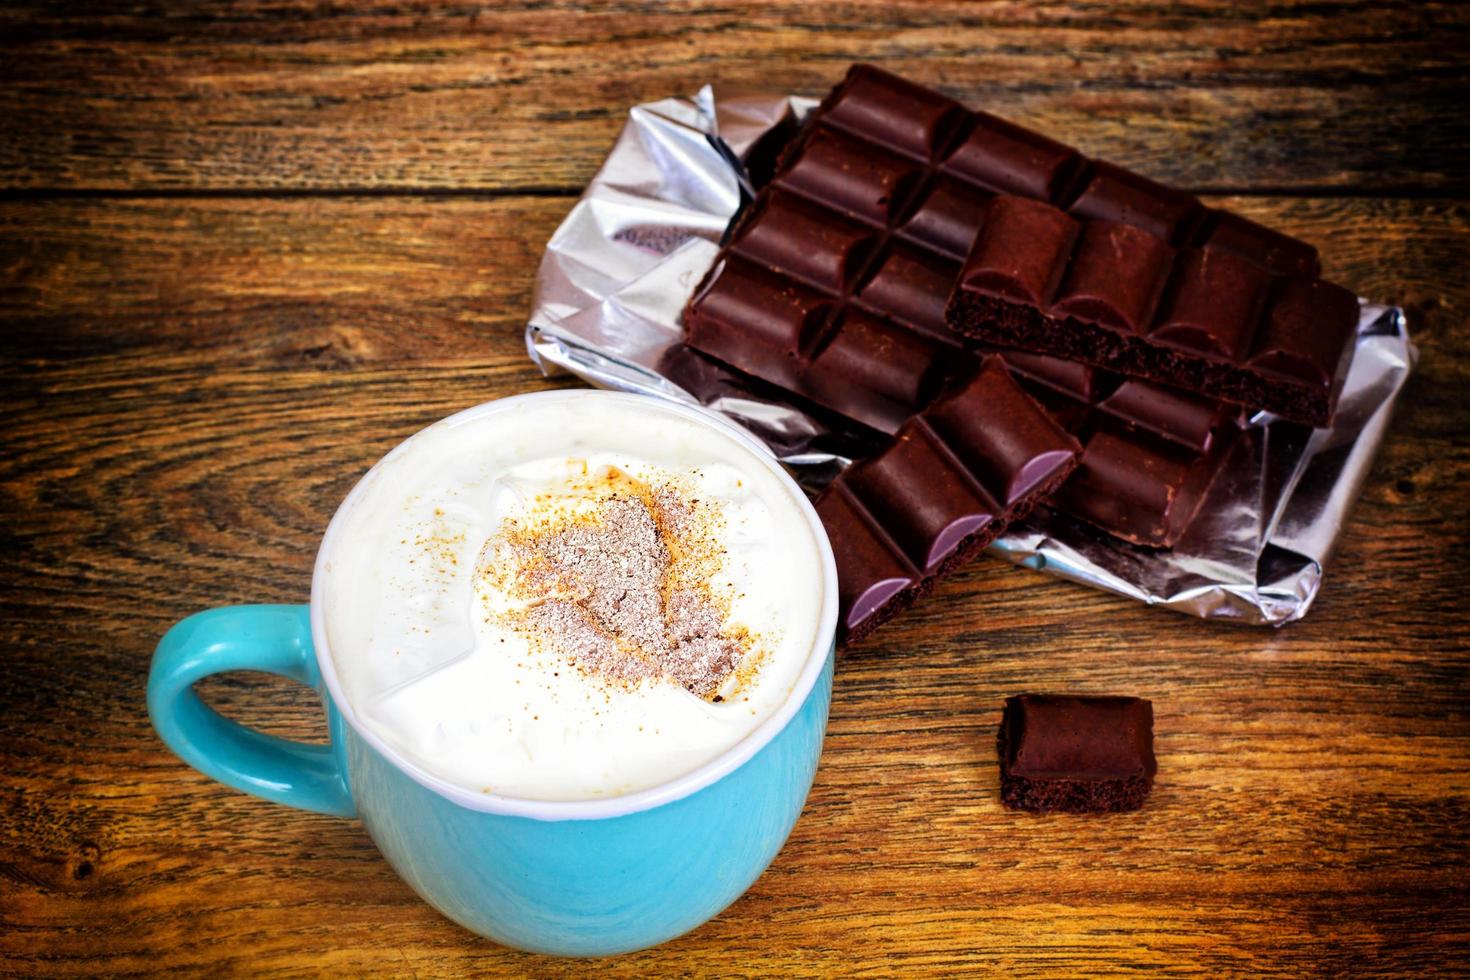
column 576, row 878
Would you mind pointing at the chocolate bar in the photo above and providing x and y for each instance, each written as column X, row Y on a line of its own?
column 951, row 480
column 1150, row 453
column 1074, row 257
column 1086, row 260
column 833, row 290
column 1076, row 754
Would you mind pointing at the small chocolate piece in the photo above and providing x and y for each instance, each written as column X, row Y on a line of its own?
column 1076, row 753
column 951, row 480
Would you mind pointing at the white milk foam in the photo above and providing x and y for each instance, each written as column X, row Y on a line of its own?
column 471, row 700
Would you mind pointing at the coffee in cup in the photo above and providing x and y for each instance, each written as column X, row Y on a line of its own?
column 542, row 605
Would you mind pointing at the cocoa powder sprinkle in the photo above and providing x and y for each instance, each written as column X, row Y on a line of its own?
column 622, row 588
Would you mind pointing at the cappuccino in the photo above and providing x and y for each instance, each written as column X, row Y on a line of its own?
column 576, row 597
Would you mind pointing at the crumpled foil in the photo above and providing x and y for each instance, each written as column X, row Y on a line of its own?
column 617, row 273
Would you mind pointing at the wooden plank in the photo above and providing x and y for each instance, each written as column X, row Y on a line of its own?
column 192, row 386
column 527, row 95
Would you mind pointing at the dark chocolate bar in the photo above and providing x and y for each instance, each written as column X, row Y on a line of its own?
column 951, row 480
column 1074, row 257
column 1086, row 260
column 1150, row 453
column 834, row 289
column 1076, row 754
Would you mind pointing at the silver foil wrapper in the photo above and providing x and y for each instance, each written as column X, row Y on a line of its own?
column 619, row 269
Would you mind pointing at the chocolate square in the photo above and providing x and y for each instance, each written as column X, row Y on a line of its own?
column 1076, row 753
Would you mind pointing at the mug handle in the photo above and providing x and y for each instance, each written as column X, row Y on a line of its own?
column 274, row 639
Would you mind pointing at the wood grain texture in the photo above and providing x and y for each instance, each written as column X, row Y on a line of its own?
column 385, row 94
column 205, row 338
column 191, row 386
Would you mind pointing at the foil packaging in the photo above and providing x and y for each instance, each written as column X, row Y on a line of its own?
column 617, row 274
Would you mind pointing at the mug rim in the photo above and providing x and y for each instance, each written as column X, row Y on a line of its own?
column 706, row 774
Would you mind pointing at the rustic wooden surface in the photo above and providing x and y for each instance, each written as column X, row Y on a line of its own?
column 244, row 250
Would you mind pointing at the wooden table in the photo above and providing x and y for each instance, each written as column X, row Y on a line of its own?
column 245, row 251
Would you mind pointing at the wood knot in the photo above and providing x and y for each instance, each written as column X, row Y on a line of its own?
column 83, row 864
column 328, row 347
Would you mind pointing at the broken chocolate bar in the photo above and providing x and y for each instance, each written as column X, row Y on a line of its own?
column 1076, row 754
column 1197, row 316
column 784, row 304
column 833, row 287
column 951, row 480
column 1074, row 257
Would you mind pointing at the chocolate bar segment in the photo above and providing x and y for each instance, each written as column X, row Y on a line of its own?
column 874, row 580
column 756, row 320
column 1008, row 159
column 911, row 286
column 946, row 217
column 864, row 181
column 1115, row 194
column 1120, row 295
column 1167, row 412
column 1224, row 330
column 893, row 111
column 1133, row 490
column 1278, row 254
column 951, row 480
column 874, row 371
column 1150, row 454
column 930, row 522
column 1295, row 345
column 1214, row 304
column 805, row 240
column 1076, row 754
column 1023, row 252
column 1002, row 435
